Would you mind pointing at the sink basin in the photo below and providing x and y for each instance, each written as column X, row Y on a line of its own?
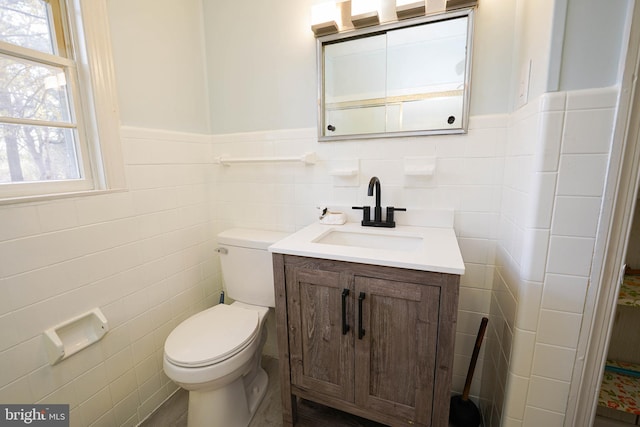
column 419, row 248
column 392, row 242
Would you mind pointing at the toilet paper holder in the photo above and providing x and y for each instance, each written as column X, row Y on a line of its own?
column 71, row 336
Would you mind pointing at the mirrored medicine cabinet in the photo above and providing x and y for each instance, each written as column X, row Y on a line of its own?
column 405, row 78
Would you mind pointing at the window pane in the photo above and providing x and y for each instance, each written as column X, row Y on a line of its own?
column 26, row 23
column 37, row 153
column 33, row 91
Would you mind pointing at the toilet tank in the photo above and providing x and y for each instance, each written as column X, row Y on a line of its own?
column 247, row 267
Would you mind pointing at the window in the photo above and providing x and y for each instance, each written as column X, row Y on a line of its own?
column 50, row 105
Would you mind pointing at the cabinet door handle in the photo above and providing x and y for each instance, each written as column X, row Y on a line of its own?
column 360, row 328
column 345, row 326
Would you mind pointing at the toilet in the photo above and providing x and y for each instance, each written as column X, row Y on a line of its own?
column 216, row 353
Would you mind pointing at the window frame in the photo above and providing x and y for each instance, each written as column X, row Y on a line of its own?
column 84, row 49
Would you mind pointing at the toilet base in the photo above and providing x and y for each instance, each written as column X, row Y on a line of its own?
column 230, row 406
column 256, row 390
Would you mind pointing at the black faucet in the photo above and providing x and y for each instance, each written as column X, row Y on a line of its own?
column 374, row 183
column 377, row 211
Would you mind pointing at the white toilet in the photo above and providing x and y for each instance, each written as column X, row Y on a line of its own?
column 216, row 354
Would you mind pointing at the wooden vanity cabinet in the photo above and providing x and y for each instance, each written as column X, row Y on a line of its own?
column 370, row 340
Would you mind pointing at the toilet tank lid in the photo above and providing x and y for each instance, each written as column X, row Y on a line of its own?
column 250, row 238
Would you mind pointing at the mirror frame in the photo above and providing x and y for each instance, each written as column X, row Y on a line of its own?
column 382, row 29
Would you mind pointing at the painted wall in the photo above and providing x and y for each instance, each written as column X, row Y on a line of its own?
column 170, row 76
column 265, row 78
column 159, row 57
column 261, row 65
column 531, row 50
column 492, row 82
column 593, row 44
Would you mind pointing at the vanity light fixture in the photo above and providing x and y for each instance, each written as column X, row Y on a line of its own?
column 332, row 16
column 324, row 18
column 457, row 4
column 410, row 8
column 365, row 13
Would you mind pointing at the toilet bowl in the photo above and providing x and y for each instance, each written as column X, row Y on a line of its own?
column 216, row 353
column 219, row 363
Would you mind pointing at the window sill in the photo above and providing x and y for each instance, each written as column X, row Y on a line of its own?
column 49, row 197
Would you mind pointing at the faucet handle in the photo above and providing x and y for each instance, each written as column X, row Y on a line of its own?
column 390, row 210
column 366, row 212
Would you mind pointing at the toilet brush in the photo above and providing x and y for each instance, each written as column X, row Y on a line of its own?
column 462, row 411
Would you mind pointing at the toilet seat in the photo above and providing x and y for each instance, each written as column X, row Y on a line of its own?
column 211, row 336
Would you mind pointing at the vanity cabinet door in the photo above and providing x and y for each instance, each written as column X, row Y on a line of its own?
column 395, row 348
column 373, row 341
column 321, row 351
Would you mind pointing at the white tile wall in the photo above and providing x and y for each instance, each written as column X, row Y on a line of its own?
column 143, row 256
column 512, row 342
column 549, row 274
column 553, row 361
column 563, row 292
column 468, row 179
column 526, row 190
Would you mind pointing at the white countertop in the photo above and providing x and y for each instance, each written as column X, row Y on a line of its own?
column 429, row 249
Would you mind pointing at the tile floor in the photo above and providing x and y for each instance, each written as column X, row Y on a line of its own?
column 173, row 413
